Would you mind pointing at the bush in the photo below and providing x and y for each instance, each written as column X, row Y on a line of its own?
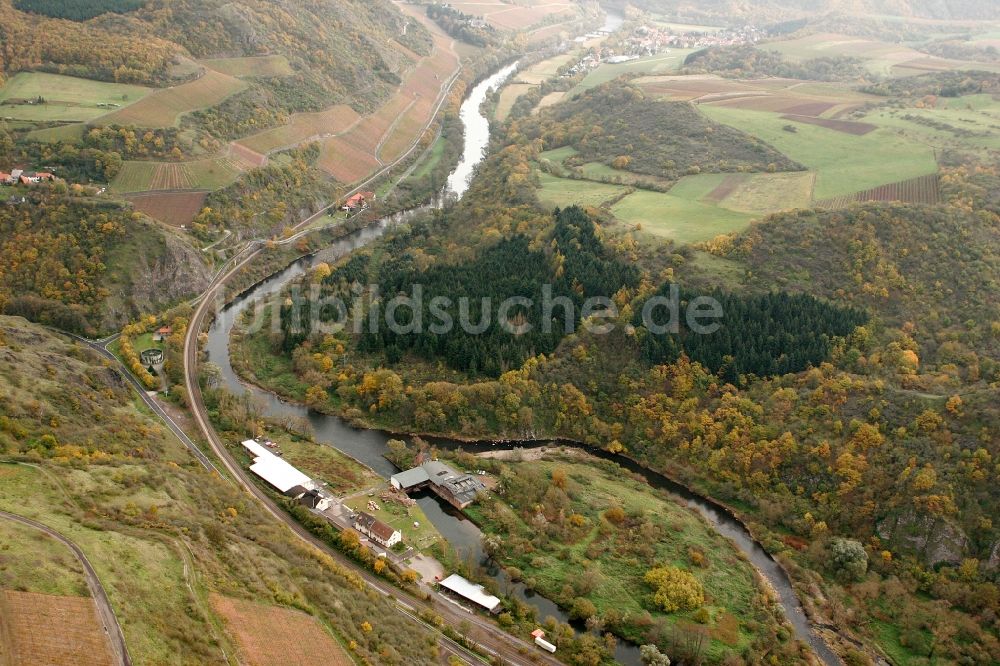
column 675, row 589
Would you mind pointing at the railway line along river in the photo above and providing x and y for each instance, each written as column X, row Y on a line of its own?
column 369, row 446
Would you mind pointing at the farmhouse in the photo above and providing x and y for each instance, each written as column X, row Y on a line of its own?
column 358, row 201
column 474, row 593
column 285, row 478
column 19, row 176
column 376, row 530
column 458, row 489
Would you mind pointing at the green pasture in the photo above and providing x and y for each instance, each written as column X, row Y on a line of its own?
column 65, row 98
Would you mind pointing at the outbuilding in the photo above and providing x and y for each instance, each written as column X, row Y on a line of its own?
column 472, row 592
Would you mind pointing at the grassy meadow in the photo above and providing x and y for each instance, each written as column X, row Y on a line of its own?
column 604, row 561
column 679, row 219
column 66, row 98
column 661, row 63
column 844, row 163
column 31, row 561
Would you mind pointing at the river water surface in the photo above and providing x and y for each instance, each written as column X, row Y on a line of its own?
column 369, row 446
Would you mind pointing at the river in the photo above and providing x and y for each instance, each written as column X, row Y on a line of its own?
column 369, row 446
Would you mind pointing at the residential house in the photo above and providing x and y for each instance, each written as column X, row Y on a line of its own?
column 376, row 530
column 359, row 201
column 162, row 333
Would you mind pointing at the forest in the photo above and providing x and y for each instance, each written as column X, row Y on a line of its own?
column 617, row 124
column 749, row 62
column 869, row 467
column 463, row 26
column 574, row 264
column 769, row 334
column 77, row 10
column 267, row 199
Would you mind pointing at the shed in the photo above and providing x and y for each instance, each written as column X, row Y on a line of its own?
column 469, row 590
column 409, row 479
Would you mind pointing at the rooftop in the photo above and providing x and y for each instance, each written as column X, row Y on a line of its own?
column 274, row 470
column 470, row 591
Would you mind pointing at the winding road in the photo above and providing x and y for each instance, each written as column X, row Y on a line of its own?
column 113, row 630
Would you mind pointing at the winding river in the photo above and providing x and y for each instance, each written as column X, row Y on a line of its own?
column 369, row 446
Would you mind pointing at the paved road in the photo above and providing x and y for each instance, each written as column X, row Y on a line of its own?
column 112, row 629
column 101, row 347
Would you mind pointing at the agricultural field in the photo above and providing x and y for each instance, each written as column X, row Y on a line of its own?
column 164, row 107
column 508, row 95
column 564, row 192
column 66, row 98
column 679, row 219
column 302, row 639
column 71, row 133
column 844, row 162
column 174, row 208
column 776, row 95
column 206, row 174
column 53, row 630
column 272, row 65
column 301, row 128
column 923, row 189
column 881, row 58
column 650, row 65
column 511, row 16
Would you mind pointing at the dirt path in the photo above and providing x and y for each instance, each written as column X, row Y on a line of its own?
column 112, row 629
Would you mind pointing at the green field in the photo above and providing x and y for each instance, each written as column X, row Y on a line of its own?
column 661, row 63
column 134, row 177
column 681, row 220
column 66, row 98
column 61, row 133
column 563, row 192
column 965, row 123
column 844, row 163
column 212, row 173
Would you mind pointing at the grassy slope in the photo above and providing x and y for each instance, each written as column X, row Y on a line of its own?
column 161, row 532
column 31, row 561
column 593, row 488
column 66, row 97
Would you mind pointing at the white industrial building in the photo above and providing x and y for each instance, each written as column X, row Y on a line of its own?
column 284, row 477
column 469, row 590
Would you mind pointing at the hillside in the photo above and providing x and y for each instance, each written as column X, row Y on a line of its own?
column 618, row 125
column 759, row 11
column 88, row 266
column 167, row 538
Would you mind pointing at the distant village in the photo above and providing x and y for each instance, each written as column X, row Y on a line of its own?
column 653, row 39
